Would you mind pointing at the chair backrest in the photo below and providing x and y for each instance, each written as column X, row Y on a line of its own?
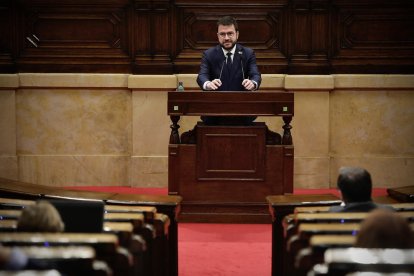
column 345, row 260
column 80, row 216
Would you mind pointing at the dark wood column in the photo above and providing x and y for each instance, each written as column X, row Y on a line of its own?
column 152, row 36
column 308, row 25
column 8, row 29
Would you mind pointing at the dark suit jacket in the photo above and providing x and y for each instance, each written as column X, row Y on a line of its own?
column 213, row 61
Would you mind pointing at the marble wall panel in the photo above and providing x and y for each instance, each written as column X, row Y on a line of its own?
column 74, row 136
column 151, row 124
column 311, row 172
column 74, row 170
column 73, row 80
column 151, row 171
column 73, row 122
column 374, row 130
column 372, row 123
column 311, row 124
column 386, row 171
column 311, row 139
column 9, row 167
column 99, row 132
column 7, row 123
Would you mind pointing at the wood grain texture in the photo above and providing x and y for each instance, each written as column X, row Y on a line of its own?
column 166, row 37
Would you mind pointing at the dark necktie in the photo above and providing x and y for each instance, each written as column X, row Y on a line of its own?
column 229, row 61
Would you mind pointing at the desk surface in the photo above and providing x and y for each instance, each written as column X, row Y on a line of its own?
column 229, row 103
column 303, row 200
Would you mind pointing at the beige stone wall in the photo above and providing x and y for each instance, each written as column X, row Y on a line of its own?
column 112, row 129
column 8, row 158
column 371, row 125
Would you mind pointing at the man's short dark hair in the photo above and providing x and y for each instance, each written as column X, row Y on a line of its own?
column 227, row 21
column 355, row 184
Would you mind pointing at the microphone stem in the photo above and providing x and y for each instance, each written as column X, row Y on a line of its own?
column 221, row 71
column 241, row 61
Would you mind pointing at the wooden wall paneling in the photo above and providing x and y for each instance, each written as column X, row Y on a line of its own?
column 74, row 36
column 153, row 37
column 373, row 36
column 274, row 59
column 193, row 34
column 260, row 24
column 169, row 36
column 7, row 36
column 308, row 37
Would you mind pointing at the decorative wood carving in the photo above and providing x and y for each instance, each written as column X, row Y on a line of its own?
column 260, row 28
column 7, row 29
column 73, row 36
column 374, row 40
column 217, row 148
column 165, row 36
column 309, row 33
column 152, row 37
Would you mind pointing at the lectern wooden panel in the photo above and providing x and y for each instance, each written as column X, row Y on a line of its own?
column 226, row 174
column 217, row 147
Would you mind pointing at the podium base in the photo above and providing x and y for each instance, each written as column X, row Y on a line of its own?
column 225, row 213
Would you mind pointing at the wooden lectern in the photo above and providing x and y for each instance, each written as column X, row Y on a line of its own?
column 226, row 172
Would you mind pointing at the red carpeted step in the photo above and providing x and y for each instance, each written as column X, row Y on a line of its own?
column 164, row 191
column 121, row 189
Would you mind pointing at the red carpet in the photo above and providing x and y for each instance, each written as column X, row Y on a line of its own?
column 121, row 190
column 164, row 191
column 222, row 249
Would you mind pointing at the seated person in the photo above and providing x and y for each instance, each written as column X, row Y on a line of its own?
column 12, row 258
column 355, row 186
column 385, row 229
column 40, row 217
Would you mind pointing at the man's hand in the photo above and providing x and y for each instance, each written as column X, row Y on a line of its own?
column 248, row 84
column 214, row 84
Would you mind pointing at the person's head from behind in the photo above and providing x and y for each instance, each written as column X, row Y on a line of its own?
column 227, row 32
column 385, row 229
column 355, row 184
column 40, row 217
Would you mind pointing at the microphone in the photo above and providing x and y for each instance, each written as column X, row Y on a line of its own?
column 222, row 66
column 241, row 62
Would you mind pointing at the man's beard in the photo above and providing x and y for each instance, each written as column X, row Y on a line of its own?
column 231, row 46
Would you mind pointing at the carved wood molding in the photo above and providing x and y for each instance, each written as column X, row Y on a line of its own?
column 169, row 36
column 73, row 36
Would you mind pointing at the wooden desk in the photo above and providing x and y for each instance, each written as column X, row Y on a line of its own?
column 196, row 103
column 282, row 205
column 226, row 175
column 342, row 261
column 105, row 245
column 165, row 204
column 402, row 194
column 68, row 260
column 318, row 244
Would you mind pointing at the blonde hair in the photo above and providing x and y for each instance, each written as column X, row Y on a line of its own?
column 40, row 217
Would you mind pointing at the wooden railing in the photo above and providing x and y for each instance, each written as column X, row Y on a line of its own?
column 142, row 226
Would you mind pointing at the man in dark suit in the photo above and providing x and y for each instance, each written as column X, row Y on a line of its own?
column 239, row 72
column 228, row 67
column 355, row 185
